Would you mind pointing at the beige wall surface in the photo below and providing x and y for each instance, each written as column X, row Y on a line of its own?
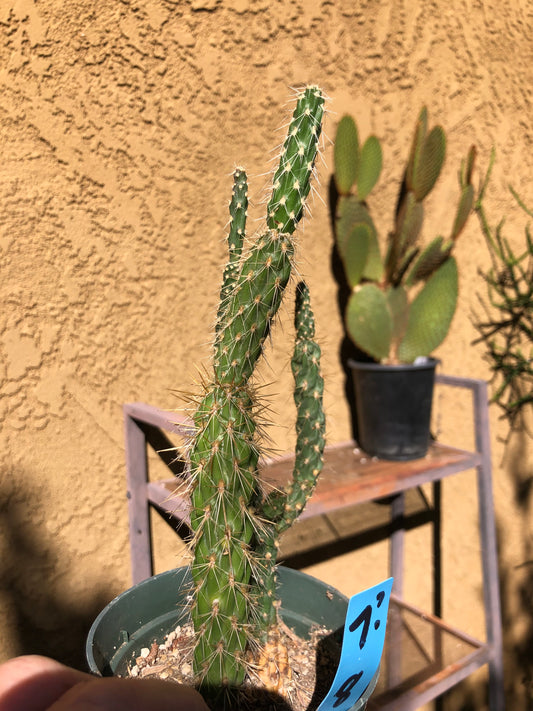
column 120, row 124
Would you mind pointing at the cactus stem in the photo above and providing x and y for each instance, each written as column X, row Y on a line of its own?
column 231, row 528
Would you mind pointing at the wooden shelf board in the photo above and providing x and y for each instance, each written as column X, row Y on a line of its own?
column 349, row 476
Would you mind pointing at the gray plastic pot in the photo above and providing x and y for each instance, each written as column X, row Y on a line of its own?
column 151, row 609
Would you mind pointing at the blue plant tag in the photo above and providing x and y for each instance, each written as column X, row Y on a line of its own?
column 362, row 645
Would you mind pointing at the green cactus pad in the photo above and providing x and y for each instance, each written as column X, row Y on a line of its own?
column 374, row 263
column 398, row 304
column 431, row 313
column 429, row 163
column 416, row 147
column 356, row 253
column 468, row 167
column 403, row 238
column 410, row 222
column 378, row 318
column 466, row 203
column 350, row 213
column 369, row 322
column 436, row 252
column 369, row 167
column 346, row 155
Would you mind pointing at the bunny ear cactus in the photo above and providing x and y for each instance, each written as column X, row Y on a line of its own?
column 236, row 527
column 382, row 317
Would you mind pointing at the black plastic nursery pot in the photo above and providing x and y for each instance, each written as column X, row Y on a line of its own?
column 393, row 408
column 151, row 609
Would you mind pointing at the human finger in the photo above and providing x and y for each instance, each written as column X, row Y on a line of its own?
column 33, row 683
column 114, row 694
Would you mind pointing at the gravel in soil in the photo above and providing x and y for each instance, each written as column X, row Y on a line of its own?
column 312, row 661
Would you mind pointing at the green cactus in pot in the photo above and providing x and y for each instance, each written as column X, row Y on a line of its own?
column 403, row 294
column 236, row 525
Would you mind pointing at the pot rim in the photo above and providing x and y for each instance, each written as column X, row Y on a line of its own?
column 428, row 363
column 182, row 572
column 359, row 705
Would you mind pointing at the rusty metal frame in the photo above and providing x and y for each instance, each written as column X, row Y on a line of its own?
column 146, row 425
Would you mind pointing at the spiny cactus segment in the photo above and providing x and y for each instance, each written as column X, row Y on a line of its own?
column 236, row 529
column 281, row 508
column 291, row 182
column 238, row 212
column 380, row 317
column 252, row 304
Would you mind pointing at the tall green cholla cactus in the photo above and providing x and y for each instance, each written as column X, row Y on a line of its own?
column 382, row 318
column 236, row 527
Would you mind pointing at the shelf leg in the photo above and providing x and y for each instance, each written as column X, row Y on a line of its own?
column 397, row 543
column 138, row 506
column 394, row 661
column 437, row 577
column 487, row 524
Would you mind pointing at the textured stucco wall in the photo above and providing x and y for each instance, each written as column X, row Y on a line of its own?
column 120, row 123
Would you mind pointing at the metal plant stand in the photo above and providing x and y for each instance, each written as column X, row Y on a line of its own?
column 424, row 657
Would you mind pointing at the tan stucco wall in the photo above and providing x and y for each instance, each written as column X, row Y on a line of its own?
column 120, row 123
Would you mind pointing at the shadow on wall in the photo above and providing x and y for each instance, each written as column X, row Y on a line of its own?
column 517, row 616
column 520, row 468
column 43, row 618
column 347, row 350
